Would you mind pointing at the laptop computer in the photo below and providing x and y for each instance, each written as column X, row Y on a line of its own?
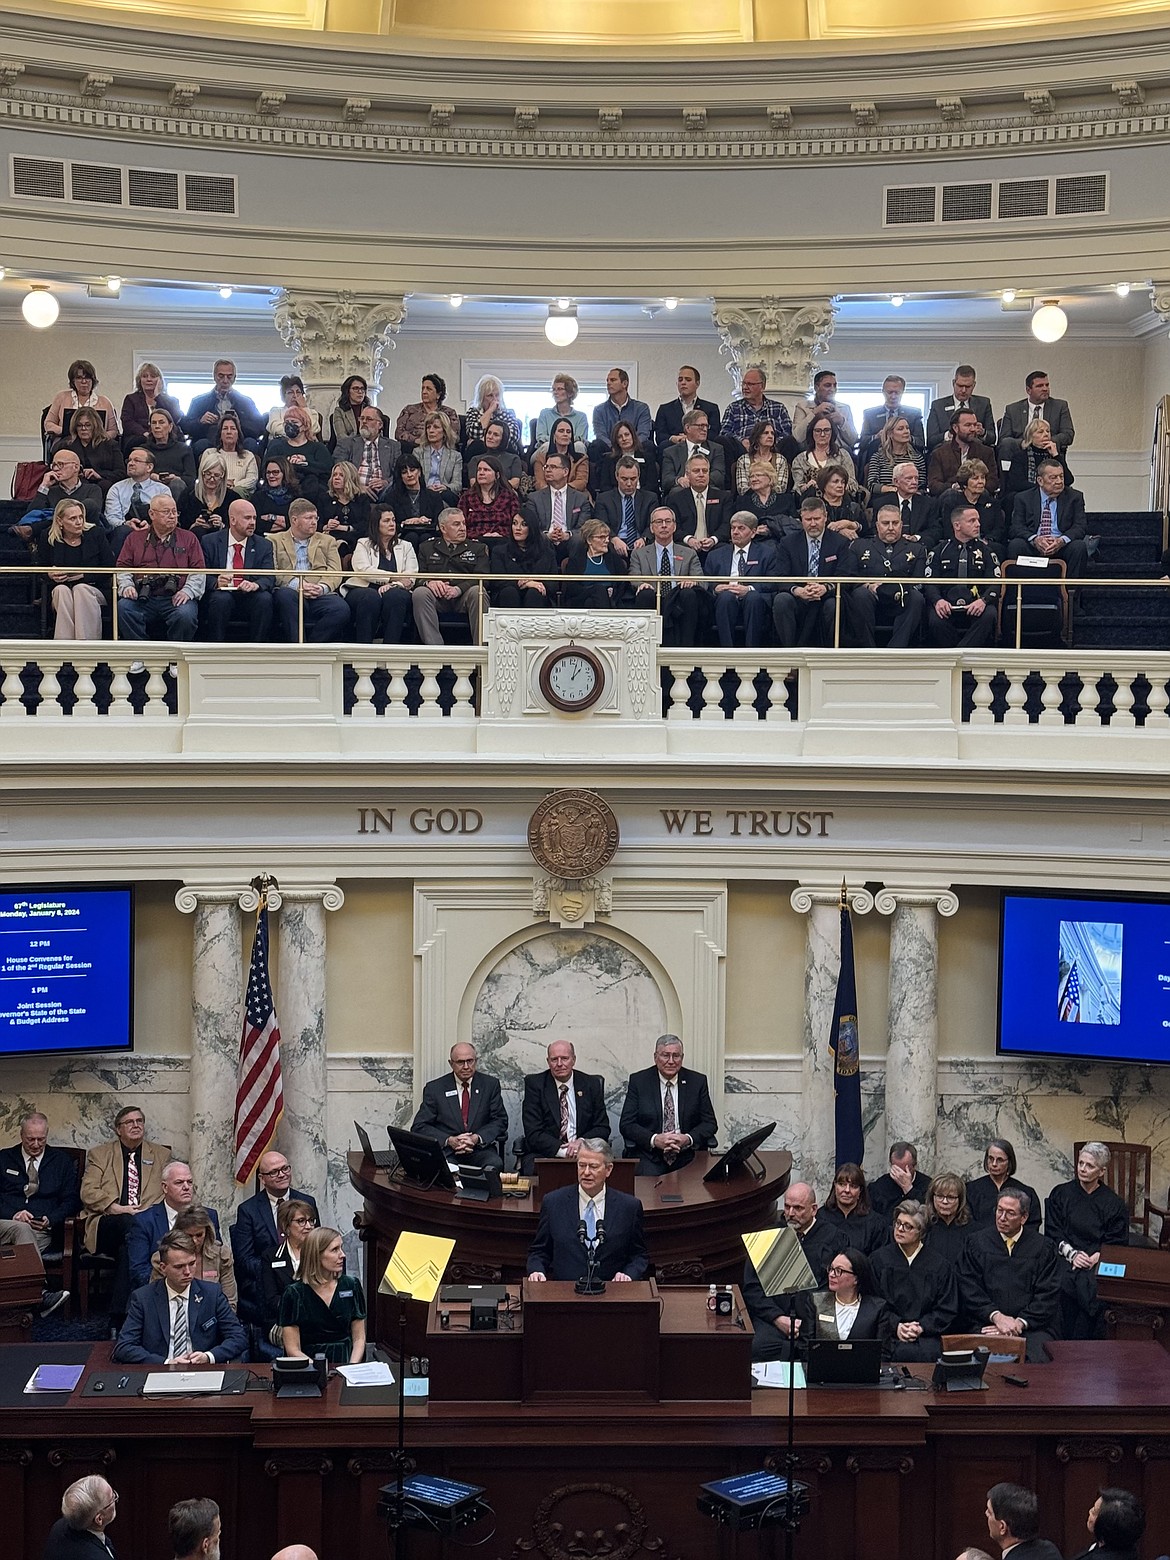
column 384, row 1158
column 844, row 1362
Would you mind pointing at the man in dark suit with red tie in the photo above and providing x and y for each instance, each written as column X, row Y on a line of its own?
column 668, row 1114
column 464, row 1111
column 562, row 1106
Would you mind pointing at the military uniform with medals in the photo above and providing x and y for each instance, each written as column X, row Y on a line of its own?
column 961, row 572
column 452, row 559
column 901, row 605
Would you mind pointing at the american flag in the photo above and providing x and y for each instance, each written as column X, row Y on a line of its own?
column 1070, row 999
column 259, row 1092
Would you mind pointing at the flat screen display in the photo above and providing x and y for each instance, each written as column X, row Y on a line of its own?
column 1085, row 977
column 66, row 970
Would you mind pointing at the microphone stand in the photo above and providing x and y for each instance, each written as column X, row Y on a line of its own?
column 590, row 1284
column 396, row 1516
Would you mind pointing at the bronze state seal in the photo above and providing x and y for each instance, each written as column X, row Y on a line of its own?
column 573, row 834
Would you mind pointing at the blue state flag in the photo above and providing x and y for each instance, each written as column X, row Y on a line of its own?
column 845, row 1046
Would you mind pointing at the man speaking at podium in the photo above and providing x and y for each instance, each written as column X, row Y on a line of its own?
column 574, row 1214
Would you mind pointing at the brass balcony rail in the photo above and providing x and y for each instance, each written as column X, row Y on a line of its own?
column 1160, row 467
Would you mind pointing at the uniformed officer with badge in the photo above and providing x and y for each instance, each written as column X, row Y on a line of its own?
column 962, row 591
column 886, row 559
column 451, row 554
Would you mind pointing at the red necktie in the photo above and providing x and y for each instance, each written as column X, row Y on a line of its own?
column 465, row 1106
column 237, row 563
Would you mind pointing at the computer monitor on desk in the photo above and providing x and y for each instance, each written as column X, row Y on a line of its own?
column 552, row 1174
column 421, row 1159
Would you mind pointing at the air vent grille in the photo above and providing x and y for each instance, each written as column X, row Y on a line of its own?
column 143, row 189
column 1023, row 198
column 966, row 202
column 1008, row 200
column 915, row 203
column 1081, row 195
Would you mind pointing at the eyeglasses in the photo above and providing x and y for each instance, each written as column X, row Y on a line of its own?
column 946, row 1197
column 311, row 1223
column 111, row 1503
column 904, row 1224
column 840, row 1272
column 266, row 1175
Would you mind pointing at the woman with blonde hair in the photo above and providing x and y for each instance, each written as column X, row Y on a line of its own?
column 148, row 395
column 324, row 1311
column 442, row 467
column 215, row 1263
column 70, row 546
column 207, row 505
column 487, row 406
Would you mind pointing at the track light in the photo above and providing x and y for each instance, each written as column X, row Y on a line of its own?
column 1122, row 289
column 671, row 303
column 456, row 300
column 225, row 293
column 1008, row 295
column 897, row 300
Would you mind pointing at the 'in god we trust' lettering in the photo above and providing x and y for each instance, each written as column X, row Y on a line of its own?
column 776, row 823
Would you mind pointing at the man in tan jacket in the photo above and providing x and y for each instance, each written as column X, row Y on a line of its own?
column 122, row 1178
column 295, row 552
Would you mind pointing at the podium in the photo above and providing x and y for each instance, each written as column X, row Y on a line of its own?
column 637, row 1344
column 22, row 1283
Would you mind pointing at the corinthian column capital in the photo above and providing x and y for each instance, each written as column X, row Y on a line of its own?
column 333, row 335
column 782, row 336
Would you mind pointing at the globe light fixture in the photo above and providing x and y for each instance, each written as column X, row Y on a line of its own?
column 1049, row 322
column 561, row 325
column 40, row 308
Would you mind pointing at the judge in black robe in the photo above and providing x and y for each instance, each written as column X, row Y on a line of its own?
column 999, row 1160
column 918, row 1285
column 1013, row 1291
column 949, row 1226
column 1081, row 1216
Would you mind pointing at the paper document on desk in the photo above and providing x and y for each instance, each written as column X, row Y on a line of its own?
column 774, row 1373
column 371, row 1373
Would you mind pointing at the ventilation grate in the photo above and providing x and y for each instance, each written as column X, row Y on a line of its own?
column 206, row 192
column 159, row 191
column 95, row 183
column 966, row 202
column 1023, row 198
column 38, row 177
column 1081, row 194
column 914, row 203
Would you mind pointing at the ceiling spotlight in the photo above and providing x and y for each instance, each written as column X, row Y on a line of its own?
column 897, row 299
column 3, row 273
column 1049, row 322
column 456, row 300
column 225, row 293
column 1122, row 289
column 39, row 307
column 671, row 303
column 114, row 283
column 564, row 304
column 1008, row 295
column 561, row 328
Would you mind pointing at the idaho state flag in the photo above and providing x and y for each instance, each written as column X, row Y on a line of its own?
column 843, row 1042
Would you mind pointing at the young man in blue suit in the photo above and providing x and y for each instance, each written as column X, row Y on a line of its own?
column 558, row 1252
column 182, row 1320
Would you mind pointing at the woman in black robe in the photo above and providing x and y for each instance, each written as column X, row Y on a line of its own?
column 918, row 1284
column 999, row 1160
column 1081, row 1216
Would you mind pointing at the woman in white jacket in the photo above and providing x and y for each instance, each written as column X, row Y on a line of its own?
column 378, row 590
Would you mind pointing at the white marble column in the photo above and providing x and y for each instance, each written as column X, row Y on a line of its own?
column 815, row 1156
column 300, row 1008
column 217, row 994
column 912, row 1058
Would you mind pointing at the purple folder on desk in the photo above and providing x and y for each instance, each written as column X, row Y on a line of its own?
column 57, row 1378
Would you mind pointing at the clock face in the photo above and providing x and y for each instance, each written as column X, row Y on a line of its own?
column 572, row 679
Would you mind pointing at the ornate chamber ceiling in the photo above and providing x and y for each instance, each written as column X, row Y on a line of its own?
column 653, row 24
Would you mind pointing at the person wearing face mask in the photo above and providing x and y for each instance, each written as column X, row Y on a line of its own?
column 308, row 457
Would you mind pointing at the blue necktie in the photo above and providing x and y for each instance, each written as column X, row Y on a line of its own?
column 627, row 519
column 590, row 1220
column 814, row 558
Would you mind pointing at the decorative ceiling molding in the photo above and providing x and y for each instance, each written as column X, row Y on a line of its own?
column 266, row 125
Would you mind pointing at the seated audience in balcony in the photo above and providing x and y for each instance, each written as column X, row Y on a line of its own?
column 128, row 501
column 454, row 557
column 761, row 446
column 1048, row 521
column 344, row 511
column 372, row 455
column 625, row 441
column 70, row 546
column 378, row 589
column 770, row 505
column 962, row 398
column 592, row 554
column 742, row 596
column 557, row 509
column 292, row 393
column 100, row 456
column 875, row 418
column 962, row 444
column 228, row 442
column 626, row 510
column 894, row 445
column 487, row 406
column 701, row 510
column 206, row 508
column 439, row 458
column 275, row 493
column 561, row 441
column 920, row 513
column 82, row 391
column 213, row 1257
column 235, row 598
column 160, row 606
column 518, row 560
column 962, row 586
column 564, row 393
column 1036, row 445
column 352, row 401
column 488, row 503
column 300, row 601
column 619, row 406
column 822, row 448
column 668, row 427
column 971, row 489
column 803, row 611
column 309, row 456
column 1036, row 403
column 62, row 479
column 492, row 442
column 824, row 400
column 846, row 517
column 667, row 577
column 948, row 1225
column 885, row 559
column 418, row 511
column 148, row 396
column 752, row 406
column 696, row 440
column 174, row 463
column 205, row 411
column 412, row 418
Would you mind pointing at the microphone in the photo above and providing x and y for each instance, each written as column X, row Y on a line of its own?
column 600, row 1232
column 582, row 1233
